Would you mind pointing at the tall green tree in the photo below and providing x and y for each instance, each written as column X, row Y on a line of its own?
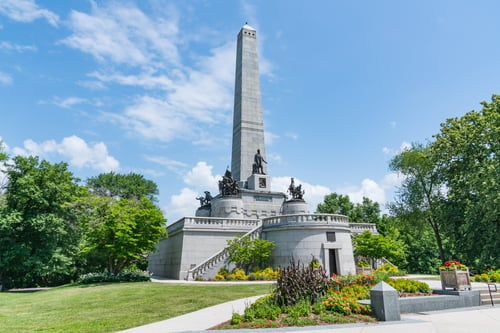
column 127, row 186
column 121, row 224
column 38, row 232
column 120, row 232
column 420, row 196
column 379, row 246
column 466, row 152
column 367, row 211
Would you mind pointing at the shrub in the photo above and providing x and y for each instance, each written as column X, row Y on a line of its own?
column 363, row 263
column 263, row 308
column 219, row 277
column 297, row 282
column 409, row 286
column 390, row 269
column 237, row 274
column 488, row 276
column 301, row 309
column 108, row 277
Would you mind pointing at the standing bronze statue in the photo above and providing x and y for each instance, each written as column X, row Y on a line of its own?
column 257, row 165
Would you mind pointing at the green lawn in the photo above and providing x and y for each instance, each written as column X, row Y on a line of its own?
column 111, row 307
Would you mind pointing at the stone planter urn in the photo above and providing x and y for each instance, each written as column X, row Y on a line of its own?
column 455, row 279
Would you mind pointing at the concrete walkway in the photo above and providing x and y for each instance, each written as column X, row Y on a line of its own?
column 485, row 319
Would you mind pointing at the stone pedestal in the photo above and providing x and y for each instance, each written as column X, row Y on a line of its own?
column 259, row 182
column 297, row 206
column 385, row 302
column 203, row 211
column 227, row 207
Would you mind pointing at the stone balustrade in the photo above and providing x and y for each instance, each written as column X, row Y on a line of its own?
column 304, row 218
column 357, row 228
column 211, row 222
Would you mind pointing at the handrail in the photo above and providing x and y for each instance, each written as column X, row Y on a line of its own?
column 489, row 290
column 218, row 256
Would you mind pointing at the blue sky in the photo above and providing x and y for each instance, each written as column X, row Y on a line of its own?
column 147, row 86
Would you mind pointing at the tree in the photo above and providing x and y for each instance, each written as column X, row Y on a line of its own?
column 128, row 186
column 378, row 246
column 420, row 197
column 120, row 220
column 247, row 253
column 38, row 233
column 466, row 153
column 120, row 231
column 366, row 212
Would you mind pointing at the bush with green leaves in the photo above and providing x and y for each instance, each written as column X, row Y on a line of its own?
column 390, row 269
column 246, row 253
column 409, row 286
column 125, row 276
column 488, row 276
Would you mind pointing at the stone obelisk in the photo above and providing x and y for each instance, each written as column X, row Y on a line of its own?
column 248, row 127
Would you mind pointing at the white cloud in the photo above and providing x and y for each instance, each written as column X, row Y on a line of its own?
column 368, row 188
column 313, row 195
column 5, row 79
column 292, row 135
column 124, row 34
column 270, row 137
column 405, row 146
column 171, row 165
column 16, row 47
column 80, row 154
column 182, row 204
column 26, row 11
column 195, row 98
column 92, row 84
column 144, row 80
column 390, row 151
column 198, row 179
column 69, row 102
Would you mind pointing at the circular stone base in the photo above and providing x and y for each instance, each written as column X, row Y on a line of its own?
column 295, row 206
column 203, row 211
column 228, row 207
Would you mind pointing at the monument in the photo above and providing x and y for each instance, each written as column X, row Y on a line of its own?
column 246, row 205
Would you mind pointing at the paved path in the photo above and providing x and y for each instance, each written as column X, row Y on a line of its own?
column 484, row 319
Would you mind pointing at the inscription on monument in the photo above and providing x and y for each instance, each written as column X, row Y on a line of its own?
column 262, row 198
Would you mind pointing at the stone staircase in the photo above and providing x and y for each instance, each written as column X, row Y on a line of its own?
column 217, row 260
column 495, row 294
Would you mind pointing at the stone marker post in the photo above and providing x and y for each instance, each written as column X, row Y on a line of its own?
column 385, row 302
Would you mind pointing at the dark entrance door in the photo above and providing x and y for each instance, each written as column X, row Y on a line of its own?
column 332, row 257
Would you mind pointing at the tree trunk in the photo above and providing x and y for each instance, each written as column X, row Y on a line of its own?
column 438, row 240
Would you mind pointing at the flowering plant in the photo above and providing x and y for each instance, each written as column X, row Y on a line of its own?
column 452, row 265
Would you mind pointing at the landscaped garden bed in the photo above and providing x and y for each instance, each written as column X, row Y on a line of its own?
column 305, row 296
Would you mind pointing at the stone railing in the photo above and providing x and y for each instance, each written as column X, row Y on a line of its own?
column 211, row 222
column 357, row 228
column 220, row 222
column 218, row 257
column 304, row 218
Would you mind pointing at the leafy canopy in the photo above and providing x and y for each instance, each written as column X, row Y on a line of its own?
column 367, row 211
column 247, row 253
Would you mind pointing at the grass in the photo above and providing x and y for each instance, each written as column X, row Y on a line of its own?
column 111, row 307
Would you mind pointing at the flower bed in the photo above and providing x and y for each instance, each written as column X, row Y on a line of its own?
column 309, row 297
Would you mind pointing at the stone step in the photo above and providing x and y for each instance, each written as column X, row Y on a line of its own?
column 486, row 299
